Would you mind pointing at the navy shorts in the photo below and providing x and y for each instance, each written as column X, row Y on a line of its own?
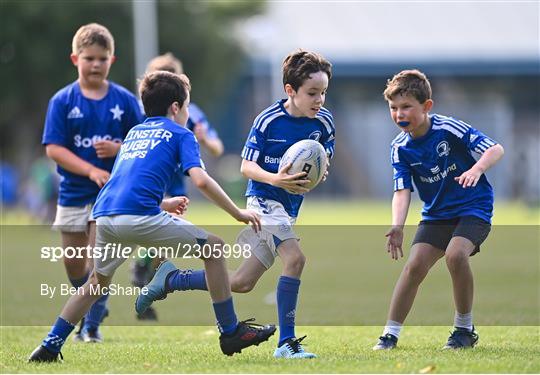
column 439, row 232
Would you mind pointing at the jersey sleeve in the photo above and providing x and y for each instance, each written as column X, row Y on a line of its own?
column 477, row 141
column 254, row 145
column 329, row 139
column 135, row 115
column 55, row 131
column 402, row 173
column 190, row 156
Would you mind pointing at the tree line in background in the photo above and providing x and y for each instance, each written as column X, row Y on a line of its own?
column 35, row 44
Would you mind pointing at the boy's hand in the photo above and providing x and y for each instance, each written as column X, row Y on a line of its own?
column 107, row 149
column 175, row 205
column 99, row 176
column 394, row 242
column 200, row 133
column 325, row 176
column 249, row 217
column 290, row 182
column 469, row 178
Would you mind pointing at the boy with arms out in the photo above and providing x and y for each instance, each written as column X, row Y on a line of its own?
column 435, row 152
column 300, row 116
column 85, row 124
column 129, row 210
column 207, row 137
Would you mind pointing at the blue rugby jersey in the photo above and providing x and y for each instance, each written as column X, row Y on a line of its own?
column 433, row 160
column 76, row 123
column 150, row 155
column 273, row 132
column 196, row 116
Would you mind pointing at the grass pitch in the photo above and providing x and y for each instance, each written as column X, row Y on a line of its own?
column 340, row 350
column 345, row 293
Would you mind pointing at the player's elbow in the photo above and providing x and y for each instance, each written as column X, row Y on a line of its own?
column 500, row 150
column 52, row 151
column 200, row 183
column 244, row 168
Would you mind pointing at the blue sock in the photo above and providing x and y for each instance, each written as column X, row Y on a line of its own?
column 78, row 282
column 287, row 297
column 226, row 317
column 57, row 335
column 187, row 280
column 95, row 315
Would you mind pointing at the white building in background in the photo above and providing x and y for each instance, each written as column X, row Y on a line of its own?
column 482, row 57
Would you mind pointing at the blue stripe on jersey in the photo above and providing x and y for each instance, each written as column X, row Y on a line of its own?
column 330, row 151
column 327, row 121
column 269, row 119
column 265, row 114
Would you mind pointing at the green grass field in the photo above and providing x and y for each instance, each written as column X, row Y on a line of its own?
column 345, row 292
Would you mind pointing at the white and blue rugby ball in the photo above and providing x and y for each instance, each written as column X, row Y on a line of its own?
column 307, row 156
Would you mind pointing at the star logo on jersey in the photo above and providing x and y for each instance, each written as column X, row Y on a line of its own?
column 443, row 149
column 75, row 113
column 117, row 113
column 253, row 140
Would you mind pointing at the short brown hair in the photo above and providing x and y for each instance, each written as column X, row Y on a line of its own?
column 409, row 82
column 298, row 66
column 167, row 62
column 160, row 89
column 90, row 34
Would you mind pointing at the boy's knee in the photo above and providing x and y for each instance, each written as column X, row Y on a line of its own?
column 415, row 270
column 213, row 248
column 456, row 258
column 96, row 283
column 296, row 261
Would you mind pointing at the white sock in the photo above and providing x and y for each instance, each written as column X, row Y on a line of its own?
column 392, row 327
column 463, row 321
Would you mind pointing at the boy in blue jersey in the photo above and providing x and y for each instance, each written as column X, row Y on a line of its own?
column 85, row 124
column 435, row 152
column 300, row 116
column 207, row 137
column 130, row 212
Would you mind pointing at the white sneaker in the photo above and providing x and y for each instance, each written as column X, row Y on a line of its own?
column 292, row 349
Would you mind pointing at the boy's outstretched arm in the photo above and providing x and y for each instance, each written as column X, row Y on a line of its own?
column 290, row 182
column 213, row 145
column 211, row 189
column 491, row 156
column 400, row 208
column 74, row 164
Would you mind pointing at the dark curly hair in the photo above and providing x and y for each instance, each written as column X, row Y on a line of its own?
column 298, row 66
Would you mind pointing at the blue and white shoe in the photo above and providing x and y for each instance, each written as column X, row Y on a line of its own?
column 292, row 349
column 386, row 342
column 92, row 335
column 157, row 288
column 462, row 338
column 78, row 336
